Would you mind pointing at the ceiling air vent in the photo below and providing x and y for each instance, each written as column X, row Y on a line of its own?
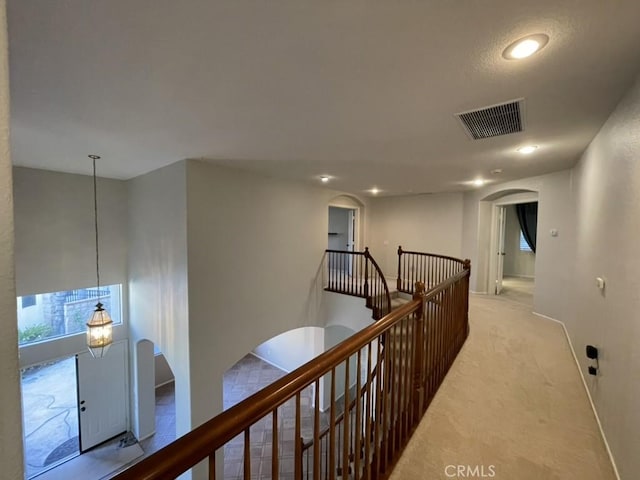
column 488, row 122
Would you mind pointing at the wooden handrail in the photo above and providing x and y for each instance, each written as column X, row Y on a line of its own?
column 358, row 274
column 429, row 268
column 195, row 446
column 435, row 255
column 401, row 378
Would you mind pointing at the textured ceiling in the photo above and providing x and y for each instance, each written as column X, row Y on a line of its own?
column 363, row 91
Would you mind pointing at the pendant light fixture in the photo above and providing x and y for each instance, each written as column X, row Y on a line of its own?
column 100, row 325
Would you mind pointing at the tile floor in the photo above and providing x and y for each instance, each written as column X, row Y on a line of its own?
column 246, row 377
column 165, row 420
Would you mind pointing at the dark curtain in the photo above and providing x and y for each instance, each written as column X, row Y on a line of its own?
column 528, row 218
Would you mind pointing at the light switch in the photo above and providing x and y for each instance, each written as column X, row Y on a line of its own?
column 600, row 283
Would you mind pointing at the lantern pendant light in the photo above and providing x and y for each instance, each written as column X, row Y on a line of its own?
column 100, row 325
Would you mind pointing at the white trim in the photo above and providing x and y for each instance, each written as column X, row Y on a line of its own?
column 584, row 383
column 269, row 362
column 165, row 383
column 478, row 293
column 519, row 276
column 146, row 436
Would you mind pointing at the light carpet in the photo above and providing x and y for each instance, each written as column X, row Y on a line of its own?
column 513, row 407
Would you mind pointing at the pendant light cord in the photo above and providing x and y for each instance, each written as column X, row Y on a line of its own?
column 95, row 217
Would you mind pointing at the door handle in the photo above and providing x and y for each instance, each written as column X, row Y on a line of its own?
column 83, row 409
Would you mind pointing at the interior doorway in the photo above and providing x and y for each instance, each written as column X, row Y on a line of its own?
column 342, row 235
column 515, row 241
column 342, row 228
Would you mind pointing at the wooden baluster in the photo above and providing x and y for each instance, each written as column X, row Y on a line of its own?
column 346, row 428
column 392, row 387
column 377, row 436
column 275, row 444
column 408, row 378
column 316, row 431
column 332, row 428
column 298, row 442
column 366, row 274
column 418, row 393
column 358, row 425
column 399, row 279
column 212, row 466
column 247, row 454
column 369, row 416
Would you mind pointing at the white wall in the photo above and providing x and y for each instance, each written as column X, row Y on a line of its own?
column 517, row 262
column 427, row 223
column 10, row 412
column 292, row 349
column 607, row 206
column 158, row 274
column 255, row 249
column 55, row 237
column 55, row 244
column 554, row 255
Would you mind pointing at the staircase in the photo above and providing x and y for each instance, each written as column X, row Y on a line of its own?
column 358, row 274
column 399, row 362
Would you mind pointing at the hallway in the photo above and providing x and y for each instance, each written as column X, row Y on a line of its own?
column 518, row 289
column 513, row 404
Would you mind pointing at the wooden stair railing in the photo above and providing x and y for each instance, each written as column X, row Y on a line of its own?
column 428, row 268
column 414, row 345
column 358, row 274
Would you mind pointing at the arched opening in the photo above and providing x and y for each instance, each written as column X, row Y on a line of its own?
column 345, row 223
column 154, row 416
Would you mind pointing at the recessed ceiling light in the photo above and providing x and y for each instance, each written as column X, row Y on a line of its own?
column 525, row 47
column 324, row 178
column 478, row 182
column 374, row 190
column 496, row 171
column 526, row 150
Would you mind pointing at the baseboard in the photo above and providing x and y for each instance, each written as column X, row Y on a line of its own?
column 146, row 436
column 269, row 362
column 479, row 293
column 519, row 276
column 165, row 383
column 586, row 389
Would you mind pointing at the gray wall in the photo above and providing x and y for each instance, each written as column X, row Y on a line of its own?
column 607, row 206
column 428, row 223
column 516, row 262
column 10, row 415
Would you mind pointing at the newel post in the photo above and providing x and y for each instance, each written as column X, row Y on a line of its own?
column 467, row 283
column 418, row 359
column 399, row 281
column 366, row 275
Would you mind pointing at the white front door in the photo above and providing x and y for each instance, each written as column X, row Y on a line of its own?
column 502, row 223
column 102, row 395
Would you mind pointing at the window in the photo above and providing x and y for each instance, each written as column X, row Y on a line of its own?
column 64, row 313
column 28, row 301
column 524, row 246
